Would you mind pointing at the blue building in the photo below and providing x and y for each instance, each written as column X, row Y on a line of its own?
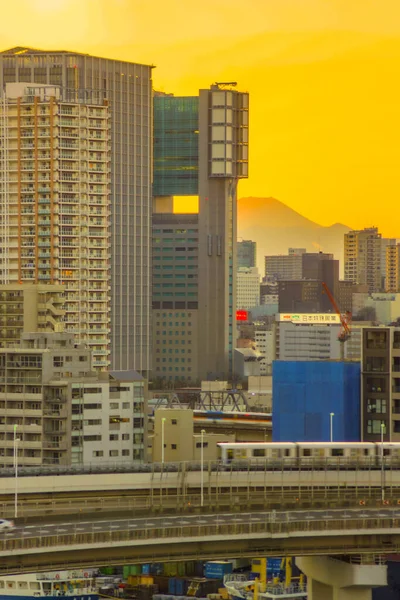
column 305, row 393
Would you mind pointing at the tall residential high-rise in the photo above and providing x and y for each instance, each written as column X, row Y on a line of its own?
column 128, row 88
column 284, row 266
column 201, row 148
column 246, row 254
column 392, row 279
column 362, row 258
column 55, row 203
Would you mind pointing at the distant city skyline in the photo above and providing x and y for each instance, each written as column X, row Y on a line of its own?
column 324, row 118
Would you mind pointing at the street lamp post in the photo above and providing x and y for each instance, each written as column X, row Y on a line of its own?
column 331, row 415
column 382, row 466
column 201, row 468
column 162, row 439
column 16, row 440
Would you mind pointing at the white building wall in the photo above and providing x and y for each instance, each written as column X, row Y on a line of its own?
column 248, row 288
column 110, row 426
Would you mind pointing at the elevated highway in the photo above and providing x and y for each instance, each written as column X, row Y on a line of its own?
column 81, row 542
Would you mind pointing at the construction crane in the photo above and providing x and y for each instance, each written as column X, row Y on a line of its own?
column 345, row 320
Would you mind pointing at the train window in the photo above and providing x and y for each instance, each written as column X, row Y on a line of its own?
column 257, row 452
column 276, row 453
column 386, row 452
column 287, row 452
column 306, row 452
column 337, row 452
column 366, row 451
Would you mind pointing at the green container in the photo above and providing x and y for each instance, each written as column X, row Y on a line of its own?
column 108, row 570
column 181, row 569
column 135, row 570
column 126, row 571
column 189, row 566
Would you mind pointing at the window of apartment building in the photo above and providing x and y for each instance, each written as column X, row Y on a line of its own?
column 83, row 359
column 114, row 453
column 396, row 426
column 376, row 364
column 374, row 426
column 114, row 437
column 376, row 340
column 68, row 359
column 125, row 405
column 376, row 405
column 137, row 423
column 114, row 405
column 92, row 422
column 174, row 422
column 376, row 384
column 173, row 446
column 198, row 445
column 92, row 438
column 125, row 452
column 125, row 436
column 98, row 453
column 92, row 406
column 58, row 361
column 96, row 390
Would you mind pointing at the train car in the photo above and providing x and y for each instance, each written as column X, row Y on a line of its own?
column 254, row 452
column 336, row 454
column 390, row 452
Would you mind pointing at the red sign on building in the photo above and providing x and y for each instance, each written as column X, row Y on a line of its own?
column 242, row 315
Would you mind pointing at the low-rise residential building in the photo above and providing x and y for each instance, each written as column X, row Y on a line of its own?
column 55, row 410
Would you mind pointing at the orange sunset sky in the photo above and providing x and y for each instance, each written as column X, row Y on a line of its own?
column 323, row 77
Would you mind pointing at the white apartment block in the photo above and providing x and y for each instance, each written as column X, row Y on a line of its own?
column 55, row 202
column 108, row 420
column 247, row 288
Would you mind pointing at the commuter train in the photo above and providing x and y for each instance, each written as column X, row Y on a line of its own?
column 305, row 455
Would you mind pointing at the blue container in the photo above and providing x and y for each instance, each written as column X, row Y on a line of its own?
column 274, row 566
column 180, row 587
column 146, row 569
column 172, row 586
column 217, row 569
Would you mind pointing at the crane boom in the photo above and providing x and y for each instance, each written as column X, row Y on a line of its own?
column 345, row 319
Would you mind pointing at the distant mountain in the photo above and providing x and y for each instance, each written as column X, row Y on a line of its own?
column 276, row 227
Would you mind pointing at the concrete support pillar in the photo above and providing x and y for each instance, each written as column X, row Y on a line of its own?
column 332, row 579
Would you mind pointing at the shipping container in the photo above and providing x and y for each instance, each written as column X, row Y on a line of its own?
column 146, row 569
column 135, row 570
column 217, row 569
column 172, row 586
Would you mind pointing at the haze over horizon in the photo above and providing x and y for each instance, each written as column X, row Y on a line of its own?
column 324, row 122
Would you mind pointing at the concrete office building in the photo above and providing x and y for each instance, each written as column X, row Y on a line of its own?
column 363, row 258
column 29, row 308
column 247, row 288
column 313, row 337
column 380, row 390
column 174, row 427
column 201, row 149
column 284, row 266
column 55, row 203
column 246, row 254
column 128, row 88
column 175, row 296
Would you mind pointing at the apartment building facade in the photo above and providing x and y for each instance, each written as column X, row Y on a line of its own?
column 55, row 197
column 128, row 88
column 61, row 412
column 363, row 258
column 380, row 388
column 29, row 308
